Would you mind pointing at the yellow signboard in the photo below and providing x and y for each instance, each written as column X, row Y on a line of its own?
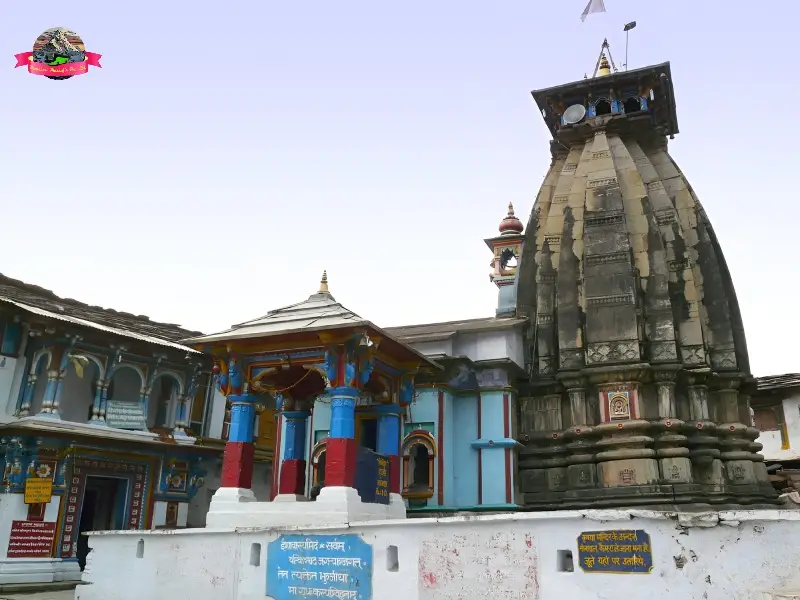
column 38, row 490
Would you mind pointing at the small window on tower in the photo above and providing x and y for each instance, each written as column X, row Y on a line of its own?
column 508, row 261
column 632, row 105
column 602, row 107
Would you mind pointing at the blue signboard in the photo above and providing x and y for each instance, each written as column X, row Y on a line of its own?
column 372, row 476
column 319, row 566
column 618, row 551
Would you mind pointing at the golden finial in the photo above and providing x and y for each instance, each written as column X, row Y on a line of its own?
column 605, row 68
column 323, row 284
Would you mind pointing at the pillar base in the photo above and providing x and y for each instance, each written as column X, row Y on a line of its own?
column 232, row 507
column 293, row 477
column 237, row 465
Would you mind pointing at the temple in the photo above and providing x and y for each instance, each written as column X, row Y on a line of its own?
column 106, row 422
column 613, row 373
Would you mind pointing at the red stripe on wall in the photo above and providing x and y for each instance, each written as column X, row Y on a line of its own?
column 480, row 456
column 276, row 459
column 507, row 434
column 440, row 443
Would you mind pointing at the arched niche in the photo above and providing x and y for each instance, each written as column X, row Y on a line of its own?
column 39, row 367
column 78, row 389
column 419, row 452
column 632, row 105
column 602, row 107
column 162, row 402
column 319, row 462
column 126, row 383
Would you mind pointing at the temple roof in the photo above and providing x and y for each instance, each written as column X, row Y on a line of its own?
column 438, row 331
column 44, row 303
column 319, row 312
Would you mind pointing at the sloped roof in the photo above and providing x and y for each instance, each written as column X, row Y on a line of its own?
column 777, row 382
column 37, row 300
column 439, row 331
column 319, row 311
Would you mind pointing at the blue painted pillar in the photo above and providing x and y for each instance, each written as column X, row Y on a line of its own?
column 293, row 463
column 340, row 461
column 389, row 443
column 237, row 462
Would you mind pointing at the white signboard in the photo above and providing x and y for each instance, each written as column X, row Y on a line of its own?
column 125, row 415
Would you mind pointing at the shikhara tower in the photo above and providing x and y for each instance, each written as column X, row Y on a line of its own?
column 639, row 377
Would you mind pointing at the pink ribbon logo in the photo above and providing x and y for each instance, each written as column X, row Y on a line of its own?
column 65, row 70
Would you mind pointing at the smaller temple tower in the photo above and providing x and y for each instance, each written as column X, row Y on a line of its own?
column 507, row 248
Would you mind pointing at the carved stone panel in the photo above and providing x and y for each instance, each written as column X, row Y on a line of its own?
column 613, row 352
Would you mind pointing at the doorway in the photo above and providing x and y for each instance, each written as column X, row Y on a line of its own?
column 103, row 510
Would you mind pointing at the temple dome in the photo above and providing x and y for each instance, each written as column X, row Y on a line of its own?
column 621, row 265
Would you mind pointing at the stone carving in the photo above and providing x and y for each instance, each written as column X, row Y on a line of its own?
column 604, row 220
column 663, row 351
column 603, row 259
column 619, row 406
column 693, row 355
column 616, row 300
column 627, row 476
column 545, row 365
column 723, row 359
column 605, row 182
column 560, row 199
column 570, row 358
column 607, row 352
column 665, row 217
column 677, row 265
column 569, row 167
column 553, row 240
column 675, row 472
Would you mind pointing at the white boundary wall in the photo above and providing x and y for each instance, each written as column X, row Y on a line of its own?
column 735, row 555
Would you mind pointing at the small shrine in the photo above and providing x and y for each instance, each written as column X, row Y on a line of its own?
column 325, row 369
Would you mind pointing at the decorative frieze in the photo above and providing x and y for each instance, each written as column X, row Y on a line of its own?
column 570, row 358
column 610, row 352
column 569, row 167
column 663, row 351
column 553, row 240
column 604, row 259
column 601, row 154
column 723, row 359
column 665, row 216
column 604, row 220
column 601, row 183
column 693, row 355
column 615, row 300
column 561, row 199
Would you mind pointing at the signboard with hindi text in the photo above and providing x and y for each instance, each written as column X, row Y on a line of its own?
column 372, row 476
column 126, row 415
column 319, row 566
column 616, row 551
column 38, row 490
column 31, row 539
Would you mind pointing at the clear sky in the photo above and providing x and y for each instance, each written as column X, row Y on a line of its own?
column 229, row 152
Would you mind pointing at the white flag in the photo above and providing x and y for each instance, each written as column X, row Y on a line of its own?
column 594, row 6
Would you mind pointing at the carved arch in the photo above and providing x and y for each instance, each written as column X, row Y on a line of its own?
column 37, row 357
column 319, row 450
column 423, row 439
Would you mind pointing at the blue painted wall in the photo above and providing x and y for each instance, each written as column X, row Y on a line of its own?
column 465, row 458
column 425, row 409
column 494, row 457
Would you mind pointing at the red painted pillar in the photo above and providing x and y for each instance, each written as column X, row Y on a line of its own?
column 293, row 466
column 237, row 461
column 340, row 461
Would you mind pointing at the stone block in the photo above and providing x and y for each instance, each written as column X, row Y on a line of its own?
column 675, row 470
column 630, row 472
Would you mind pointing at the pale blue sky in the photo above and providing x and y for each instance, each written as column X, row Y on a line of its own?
column 225, row 156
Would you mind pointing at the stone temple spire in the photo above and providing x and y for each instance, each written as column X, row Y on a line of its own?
column 638, row 364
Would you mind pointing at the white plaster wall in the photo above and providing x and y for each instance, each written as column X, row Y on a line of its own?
column 27, row 570
column 197, row 508
column 509, row 556
column 217, row 414
column 772, row 439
